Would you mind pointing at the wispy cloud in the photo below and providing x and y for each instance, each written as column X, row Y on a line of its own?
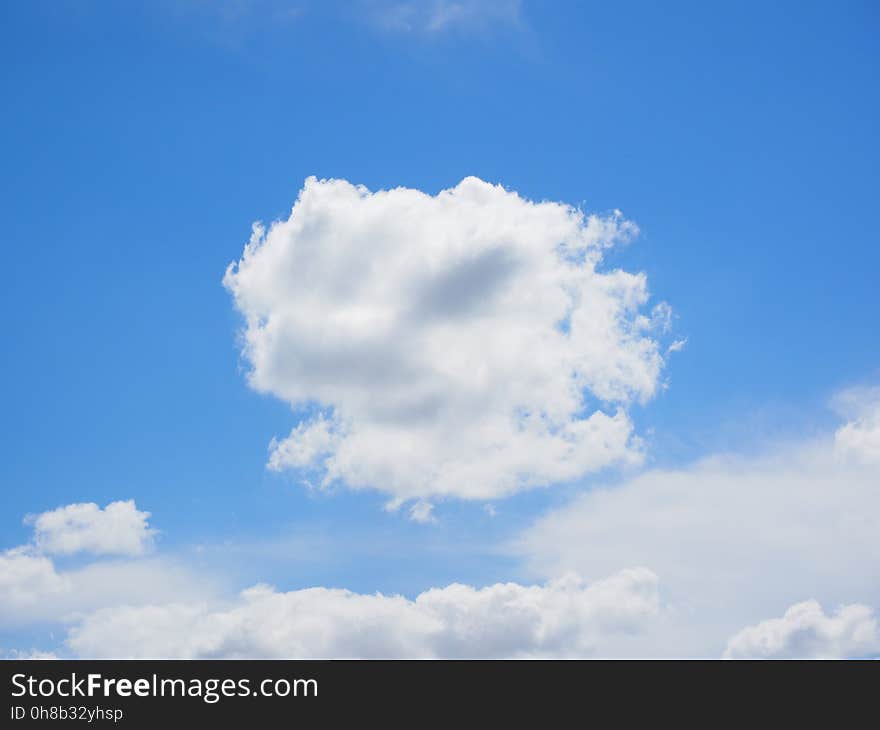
column 434, row 17
column 233, row 21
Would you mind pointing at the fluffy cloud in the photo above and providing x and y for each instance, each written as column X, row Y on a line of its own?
column 118, row 529
column 806, row 631
column 27, row 581
column 460, row 344
column 735, row 539
column 563, row 618
column 33, row 589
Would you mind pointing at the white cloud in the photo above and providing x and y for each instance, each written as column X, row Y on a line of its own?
column 118, row 529
column 27, row 582
column 733, row 539
column 562, row 618
column 33, row 589
column 306, row 444
column 461, row 344
column 422, row 511
column 860, row 438
column 806, row 631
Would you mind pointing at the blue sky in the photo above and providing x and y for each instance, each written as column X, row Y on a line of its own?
column 141, row 140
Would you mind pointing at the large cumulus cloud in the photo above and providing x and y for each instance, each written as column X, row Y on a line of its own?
column 460, row 344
